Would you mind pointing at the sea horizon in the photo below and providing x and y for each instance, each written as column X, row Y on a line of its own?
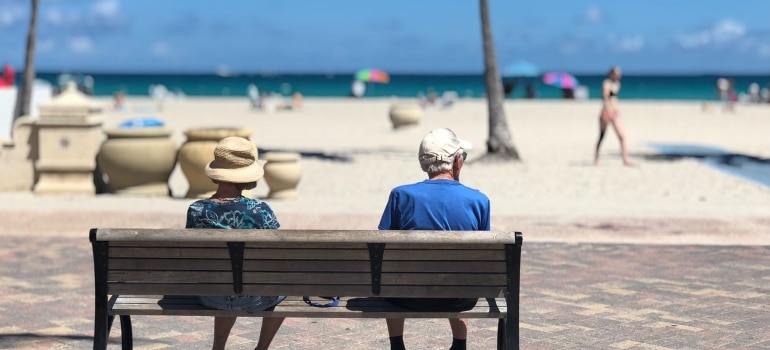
column 634, row 86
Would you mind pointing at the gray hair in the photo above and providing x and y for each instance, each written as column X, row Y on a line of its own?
column 440, row 166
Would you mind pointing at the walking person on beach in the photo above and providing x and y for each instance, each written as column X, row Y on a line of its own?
column 439, row 203
column 610, row 114
column 235, row 169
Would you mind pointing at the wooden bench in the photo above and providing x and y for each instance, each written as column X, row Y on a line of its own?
column 161, row 271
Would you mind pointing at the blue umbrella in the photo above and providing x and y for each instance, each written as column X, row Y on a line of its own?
column 521, row 69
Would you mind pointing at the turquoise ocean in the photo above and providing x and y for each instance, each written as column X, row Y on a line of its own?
column 635, row 87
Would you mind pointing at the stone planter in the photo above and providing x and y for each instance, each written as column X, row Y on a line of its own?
column 282, row 174
column 403, row 114
column 138, row 161
column 198, row 151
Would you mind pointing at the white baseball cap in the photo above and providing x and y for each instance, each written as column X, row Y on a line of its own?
column 441, row 145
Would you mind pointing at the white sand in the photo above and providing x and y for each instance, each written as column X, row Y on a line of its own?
column 555, row 193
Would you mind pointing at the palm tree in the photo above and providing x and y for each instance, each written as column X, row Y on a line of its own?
column 500, row 142
column 24, row 96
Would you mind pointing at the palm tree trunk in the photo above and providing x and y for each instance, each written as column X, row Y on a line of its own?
column 24, row 96
column 500, row 142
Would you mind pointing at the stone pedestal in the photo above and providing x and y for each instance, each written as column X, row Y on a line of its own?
column 282, row 174
column 69, row 135
column 17, row 170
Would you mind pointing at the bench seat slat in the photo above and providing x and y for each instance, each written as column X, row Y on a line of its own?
column 295, row 307
column 445, row 279
column 223, row 253
column 226, row 277
column 342, row 290
column 306, row 254
column 227, row 289
column 305, row 265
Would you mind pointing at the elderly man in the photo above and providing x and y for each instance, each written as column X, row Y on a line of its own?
column 439, row 203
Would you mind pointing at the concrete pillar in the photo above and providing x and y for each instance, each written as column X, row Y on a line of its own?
column 69, row 134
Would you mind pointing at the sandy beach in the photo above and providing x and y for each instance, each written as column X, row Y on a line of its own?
column 352, row 157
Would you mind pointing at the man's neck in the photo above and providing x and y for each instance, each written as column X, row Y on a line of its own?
column 442, row 176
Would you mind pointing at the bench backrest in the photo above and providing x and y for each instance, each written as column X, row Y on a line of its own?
column 355, row 263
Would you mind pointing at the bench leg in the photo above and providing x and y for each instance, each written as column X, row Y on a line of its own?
column 102, row 325
column 512, row 330
column 126, row 332
column 501, row 338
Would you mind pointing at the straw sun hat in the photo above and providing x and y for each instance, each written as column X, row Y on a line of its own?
column 235, row 161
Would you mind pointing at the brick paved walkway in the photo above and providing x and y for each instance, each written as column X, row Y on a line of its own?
column 580, row 296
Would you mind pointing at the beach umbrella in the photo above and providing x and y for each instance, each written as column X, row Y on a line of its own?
column 560, row 80
column 524, row 69
column 371, row 75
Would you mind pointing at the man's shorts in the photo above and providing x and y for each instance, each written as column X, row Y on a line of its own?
column 435, row 304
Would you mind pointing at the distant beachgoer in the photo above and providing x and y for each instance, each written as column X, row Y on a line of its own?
column 754, row 93
column 357, row 89
column 8, row 78
column 722, row 85
column 764, row 94
column 568, row 93
column 610, row 114
column 723, row 91
column 119, row 99
column 297, row 101
column 432, row 97
column 253, row 93
column 530, row 92
column 508, row 87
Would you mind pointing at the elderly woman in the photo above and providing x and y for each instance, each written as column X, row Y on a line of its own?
column 234, row 169
column 610, row 114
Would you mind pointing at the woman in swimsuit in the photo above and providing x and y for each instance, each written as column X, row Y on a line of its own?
column 610, row 114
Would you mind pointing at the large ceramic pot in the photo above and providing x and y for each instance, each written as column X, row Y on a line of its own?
column 198, row 151
column 138, row 161
column 282, row 174
column 403, row 114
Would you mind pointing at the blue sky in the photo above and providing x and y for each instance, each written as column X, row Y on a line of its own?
column 406, row 36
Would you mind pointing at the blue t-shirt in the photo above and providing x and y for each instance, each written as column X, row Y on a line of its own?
column 436, row 205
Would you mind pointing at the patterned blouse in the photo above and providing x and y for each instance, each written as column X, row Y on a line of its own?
column 240, row 213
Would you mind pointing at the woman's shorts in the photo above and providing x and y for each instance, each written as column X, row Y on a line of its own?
column 249, row 304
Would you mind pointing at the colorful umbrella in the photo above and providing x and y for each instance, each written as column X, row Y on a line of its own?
column 560, row 80
column 371, row 75
column 521, row 69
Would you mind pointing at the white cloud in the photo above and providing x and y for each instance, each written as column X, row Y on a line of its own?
column 11, row 15
column 106, row 8
column 727, row 30
column 724, row 31
column 630, row 44
column 81, row 44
